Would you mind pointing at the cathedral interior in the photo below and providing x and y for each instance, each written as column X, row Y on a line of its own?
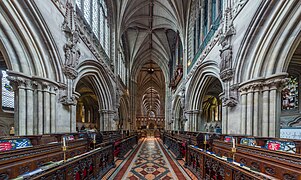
column 150, row 89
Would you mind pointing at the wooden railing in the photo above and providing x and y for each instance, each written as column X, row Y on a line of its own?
column 126, row 145
column 206, row 166
column 277, row 164
column 16, row 162
column 256, row 153
column 47, row 148
column 174, row 146
column 92, row 165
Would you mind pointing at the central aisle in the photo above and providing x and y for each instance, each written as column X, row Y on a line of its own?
column 151, row 163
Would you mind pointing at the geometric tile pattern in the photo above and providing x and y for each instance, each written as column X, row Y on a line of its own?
column 150, row 163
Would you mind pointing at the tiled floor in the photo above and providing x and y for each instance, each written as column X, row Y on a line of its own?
column 150, row 162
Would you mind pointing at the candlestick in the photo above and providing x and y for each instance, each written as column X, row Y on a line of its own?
column 64, row 141
column 233, row 149
column 94, row 140
column 64, row 152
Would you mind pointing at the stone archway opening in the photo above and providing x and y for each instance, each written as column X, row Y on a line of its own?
column 87, row 109
column 211, row 112
column 7, row 101
column 290, row 99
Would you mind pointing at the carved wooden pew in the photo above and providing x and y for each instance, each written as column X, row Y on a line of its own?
column 206, row 166
column 173, row 144
column 254, row 152
column 126, row 145
column 19, row 161
column 92, row 165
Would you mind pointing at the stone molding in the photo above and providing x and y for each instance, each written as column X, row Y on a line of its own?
column 267, row 84
column 21, row 81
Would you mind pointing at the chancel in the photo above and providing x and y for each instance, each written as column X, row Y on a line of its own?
column 150, row 89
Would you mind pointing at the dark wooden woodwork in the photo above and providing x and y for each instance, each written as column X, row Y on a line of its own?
column 277, row 164
column 274, row 163
column 126, row 145
column 16, row 162
column 206, row 166
column 47, row 148
column 93, row 165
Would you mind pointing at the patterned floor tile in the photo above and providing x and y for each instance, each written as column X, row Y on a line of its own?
column 150, row 163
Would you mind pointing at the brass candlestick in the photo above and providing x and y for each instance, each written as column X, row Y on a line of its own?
column 64, row 151
column 205, row 144
column 233, row 150
column 94, row 143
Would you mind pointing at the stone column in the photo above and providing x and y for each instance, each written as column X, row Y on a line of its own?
column 29, row 108
column 46, row 107
column 53, row 109
column 265, row 112
column 101, row 120
column 249, row 115
column 21, row 110
column 106, row 121
column 257, row 109
column 243, row 111
column 39, row 118
column 274, row 118
column 194, row 118
column 18, row 84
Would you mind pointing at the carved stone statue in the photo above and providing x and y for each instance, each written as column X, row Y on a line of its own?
column 226, row 55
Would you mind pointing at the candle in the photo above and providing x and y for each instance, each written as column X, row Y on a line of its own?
column 94, row 137
column 233, row 140
column 64, row 141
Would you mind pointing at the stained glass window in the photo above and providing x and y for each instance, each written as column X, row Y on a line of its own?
column 7, row 93
column 290, row 94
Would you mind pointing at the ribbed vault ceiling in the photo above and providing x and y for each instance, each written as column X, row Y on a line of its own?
column 147, row 30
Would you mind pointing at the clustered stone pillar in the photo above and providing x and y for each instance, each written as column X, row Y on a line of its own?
column 35, row 105
column 192, row 123
column 107, row 122
column 260, row 106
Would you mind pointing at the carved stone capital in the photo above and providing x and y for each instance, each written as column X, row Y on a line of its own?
column 17, row 82
column 65, row 100
column 229, row 102
column 70, row 72
column 226, row 74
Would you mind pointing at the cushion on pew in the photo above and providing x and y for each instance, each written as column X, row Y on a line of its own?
column 22, row 143
column 228, row 138
column 12, row 144
column 70, row 138
column 6, row 146
column 285, row 146
column 248, row 141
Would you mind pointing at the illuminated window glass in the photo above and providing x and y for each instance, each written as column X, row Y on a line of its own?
column 96, row 15
column 7, row 93
column 87, row 11
column 79, row 3
column 95, row 26
column 107, row 37
column 290, row 94
column 101, row 27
